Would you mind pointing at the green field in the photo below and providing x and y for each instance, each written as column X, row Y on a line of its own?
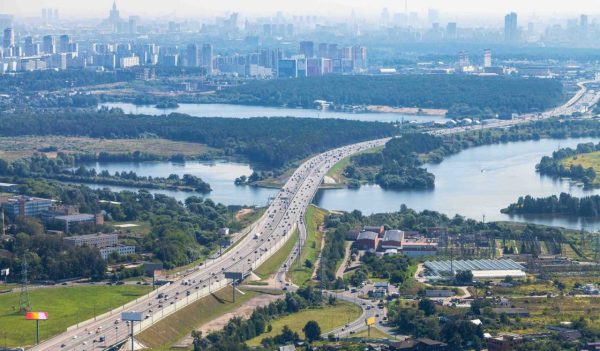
column 14, row 148
column 300, row 274
column 270, row 266
column 65, row 306
column 162, row 335
column 329, row 318
column 587, row 160
column 336, row 172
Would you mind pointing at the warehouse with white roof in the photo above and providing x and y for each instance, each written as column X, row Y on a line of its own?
column 481, row 269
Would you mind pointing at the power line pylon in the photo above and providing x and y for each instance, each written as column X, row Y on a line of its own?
column 24, row 302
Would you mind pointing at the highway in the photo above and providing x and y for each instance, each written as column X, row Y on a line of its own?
column 284, row 214
column 270, row 232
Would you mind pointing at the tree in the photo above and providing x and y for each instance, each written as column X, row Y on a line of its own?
column 286, row 336
column 464, row 277
column 312, row 331
column 427, row 306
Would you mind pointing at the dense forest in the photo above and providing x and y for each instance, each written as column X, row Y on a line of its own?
column 563, row 204
column 555, row 167
column 398, row 164
column 272, row 142
column 31, row 82
column 484, row 95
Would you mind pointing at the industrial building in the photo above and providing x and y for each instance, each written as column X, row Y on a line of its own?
column 481, row 269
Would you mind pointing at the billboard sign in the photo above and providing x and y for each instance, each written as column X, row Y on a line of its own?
column 36, row 316
column 370, row 321
column 234, row 275
column 132, row 316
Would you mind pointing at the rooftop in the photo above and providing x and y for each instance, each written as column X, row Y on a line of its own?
column 367, row 236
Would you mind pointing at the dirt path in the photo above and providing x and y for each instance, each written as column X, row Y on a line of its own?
column 342, row 268
column 244, row 311
column 242, row 213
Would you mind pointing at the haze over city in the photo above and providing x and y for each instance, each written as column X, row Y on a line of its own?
column 299, row 175
column 335, row 8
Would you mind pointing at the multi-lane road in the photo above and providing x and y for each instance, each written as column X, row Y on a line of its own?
column 274, row 228
column 285, row 212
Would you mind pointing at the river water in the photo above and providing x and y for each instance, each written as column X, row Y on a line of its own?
column 241, row 111
column 476, row 182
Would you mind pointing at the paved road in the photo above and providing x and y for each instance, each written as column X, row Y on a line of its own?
column 286, row 209
column 272, row 229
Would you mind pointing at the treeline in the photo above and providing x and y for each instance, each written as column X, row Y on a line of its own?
column 63, row 168
column 332, row 253
column 565, row 204
column 237, row 330
column 31, row 82
column 398, row 165
column 368, row 167
column 179, row 233
column 271, row 142
column 554, row 165
column 495, row 94
column 47, row 256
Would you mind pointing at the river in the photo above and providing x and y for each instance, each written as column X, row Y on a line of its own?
column 241, row 111
column 219, row 174
column 476, row 182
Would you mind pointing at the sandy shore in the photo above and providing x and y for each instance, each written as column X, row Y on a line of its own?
column 407, row 110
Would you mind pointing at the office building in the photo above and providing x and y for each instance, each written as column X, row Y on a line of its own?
column 487, row 58
column 307, row 48
column 9, row 38
column 192, row 56
column 129, row 61
column 451, row 31
column 48, row 44
column 323, row 50
column 93, row 240
column 359, row 56
column 18, row 206
column 287, row 68
column 122, row 250
column 64, row 43
column 511, row 29
column 207, row 58
column 134, row 23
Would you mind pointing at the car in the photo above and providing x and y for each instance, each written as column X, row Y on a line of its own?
column 74, row 337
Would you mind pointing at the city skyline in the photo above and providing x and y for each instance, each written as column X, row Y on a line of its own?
column 190, row 8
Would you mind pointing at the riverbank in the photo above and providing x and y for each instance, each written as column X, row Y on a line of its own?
column 412, row 111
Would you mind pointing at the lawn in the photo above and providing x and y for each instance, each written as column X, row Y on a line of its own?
column 301, row 274
column 65, row 306
column 587, row 160
column 13, row 148
column 329, row 318
column 336, row 172
column 270, row 266
column 176, row 326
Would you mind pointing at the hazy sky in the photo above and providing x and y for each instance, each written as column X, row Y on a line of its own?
column 189, row 8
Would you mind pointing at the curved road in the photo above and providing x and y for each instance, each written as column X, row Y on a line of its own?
column 286, row 209
column 266, row 237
